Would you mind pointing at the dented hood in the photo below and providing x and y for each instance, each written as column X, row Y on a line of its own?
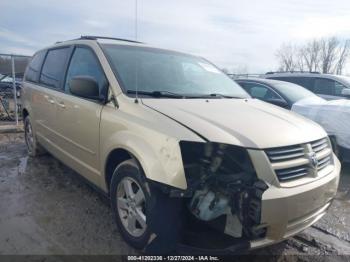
column 243, row 122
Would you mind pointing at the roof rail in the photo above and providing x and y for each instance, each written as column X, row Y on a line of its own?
column 93, row 37
column 237, row 76
column 281, row 72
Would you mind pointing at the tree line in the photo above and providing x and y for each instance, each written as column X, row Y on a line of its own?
column 325, row 55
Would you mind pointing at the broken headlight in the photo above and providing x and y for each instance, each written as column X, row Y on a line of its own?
column 228, row 165
column 221, row 181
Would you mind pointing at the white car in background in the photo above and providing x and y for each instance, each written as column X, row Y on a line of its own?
column 333, row 116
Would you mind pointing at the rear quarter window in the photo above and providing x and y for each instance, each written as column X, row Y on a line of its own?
column 54, row 67
column 33, row 68
column 307, row 82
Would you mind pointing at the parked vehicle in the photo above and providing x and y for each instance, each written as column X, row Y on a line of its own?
column 330, row 87
column 177, row 145
column 6, row 86
column 333, row 116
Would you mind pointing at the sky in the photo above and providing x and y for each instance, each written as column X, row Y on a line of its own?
column 240, row 35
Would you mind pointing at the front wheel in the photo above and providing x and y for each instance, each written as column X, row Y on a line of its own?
column 129, row 199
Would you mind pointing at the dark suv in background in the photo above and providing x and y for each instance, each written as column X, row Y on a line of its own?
column 328, row 86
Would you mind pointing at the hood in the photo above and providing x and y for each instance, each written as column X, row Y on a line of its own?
column 244, row 122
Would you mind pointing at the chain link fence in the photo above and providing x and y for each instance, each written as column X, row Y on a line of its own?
column 12, row 69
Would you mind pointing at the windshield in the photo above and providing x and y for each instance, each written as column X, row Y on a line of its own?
column 156, row 70
column 293, row 92
column 345, row 80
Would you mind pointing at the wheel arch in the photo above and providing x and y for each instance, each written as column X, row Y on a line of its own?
column 114, row 158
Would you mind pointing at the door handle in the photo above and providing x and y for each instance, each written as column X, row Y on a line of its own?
column 51, row 101
column 62, row 105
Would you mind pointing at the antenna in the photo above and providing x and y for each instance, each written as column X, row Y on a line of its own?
column 136, row 20
column 136, row 64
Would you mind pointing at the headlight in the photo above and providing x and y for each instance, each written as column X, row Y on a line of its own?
column 205, row 161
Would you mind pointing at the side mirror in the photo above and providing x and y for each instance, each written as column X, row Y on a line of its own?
column 84, row 86
column 278, row 102
column 346, row 92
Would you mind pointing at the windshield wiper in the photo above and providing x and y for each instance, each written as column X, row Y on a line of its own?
column 217, row 95
column 175, row 95
column 156, row 93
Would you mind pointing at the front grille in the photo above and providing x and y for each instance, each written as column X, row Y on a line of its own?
column 292, row 173
column 319, row 145
column 324, row 162
column 294, row 162
column 285, row 153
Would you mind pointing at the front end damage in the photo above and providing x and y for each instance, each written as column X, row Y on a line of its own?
column 236, row 198
column 221, row 182
column 220, row 208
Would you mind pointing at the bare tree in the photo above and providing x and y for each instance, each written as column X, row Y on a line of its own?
column 300, row 61
column 342, row 57
column 328, row 55
column 310, row 55
column 286, row 55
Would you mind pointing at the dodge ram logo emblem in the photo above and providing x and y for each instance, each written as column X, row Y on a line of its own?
column 313, row 160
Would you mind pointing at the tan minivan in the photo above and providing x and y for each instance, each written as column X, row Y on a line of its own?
column 182, row 151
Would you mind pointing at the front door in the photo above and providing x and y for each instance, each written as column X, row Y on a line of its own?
column 79, row 118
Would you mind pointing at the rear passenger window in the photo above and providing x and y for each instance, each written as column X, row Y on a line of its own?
column 54, row 67
column 85, row 63
column 307, row 82
column 33, row 69
column 324, row 86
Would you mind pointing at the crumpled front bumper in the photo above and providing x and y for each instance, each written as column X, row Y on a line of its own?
column 287, row 211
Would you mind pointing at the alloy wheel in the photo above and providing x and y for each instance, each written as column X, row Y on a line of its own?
column 131, row 205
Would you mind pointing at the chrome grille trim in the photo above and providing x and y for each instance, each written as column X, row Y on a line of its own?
column 292, row 173
column 273, row 152
column 293, row 162
column 319, row 142
column 319, row 145
column 324, row 162
column 285, row 153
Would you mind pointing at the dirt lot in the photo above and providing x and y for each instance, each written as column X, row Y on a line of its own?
column 47, row 209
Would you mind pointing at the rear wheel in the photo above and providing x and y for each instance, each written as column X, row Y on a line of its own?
column 33, row 148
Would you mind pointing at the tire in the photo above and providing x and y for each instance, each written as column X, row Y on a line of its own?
column 33, row 147
column 130, row 200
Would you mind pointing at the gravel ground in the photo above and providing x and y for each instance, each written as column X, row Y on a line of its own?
column 47, row 209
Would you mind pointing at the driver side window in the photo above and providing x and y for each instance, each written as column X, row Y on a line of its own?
column 84, row 63
column 260, row 91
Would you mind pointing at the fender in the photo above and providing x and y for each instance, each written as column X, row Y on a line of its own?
column 161, row 159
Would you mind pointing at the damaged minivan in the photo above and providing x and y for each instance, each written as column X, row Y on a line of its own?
column 186, row 157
